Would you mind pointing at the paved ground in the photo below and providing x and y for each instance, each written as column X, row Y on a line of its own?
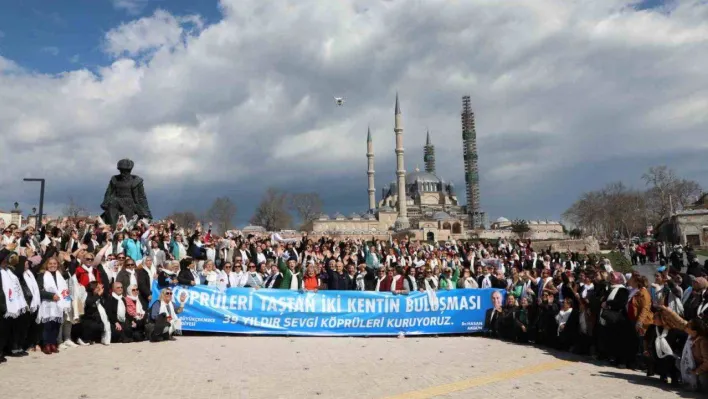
column 648, row 269
column 341, row 368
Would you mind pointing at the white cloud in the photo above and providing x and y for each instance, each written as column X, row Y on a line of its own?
column 132, row 7
column 161, row 30
column 554, row 85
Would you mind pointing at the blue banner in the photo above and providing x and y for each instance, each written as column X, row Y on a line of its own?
column 330, row 313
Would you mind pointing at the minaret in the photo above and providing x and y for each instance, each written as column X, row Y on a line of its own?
column 402, row 220
column 429, row 155
column 370, row 171
column 469, row 150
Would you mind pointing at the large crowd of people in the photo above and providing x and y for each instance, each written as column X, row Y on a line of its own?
column 79, row 282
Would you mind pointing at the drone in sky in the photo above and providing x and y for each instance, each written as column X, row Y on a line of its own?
column 339, row 101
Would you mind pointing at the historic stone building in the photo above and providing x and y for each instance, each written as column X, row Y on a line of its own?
column 689, row 226
column 430, row 209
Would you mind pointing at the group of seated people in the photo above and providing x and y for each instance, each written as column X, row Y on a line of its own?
column 60, row 301
column 660, row 327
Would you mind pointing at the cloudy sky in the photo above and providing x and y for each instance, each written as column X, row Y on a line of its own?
column 214, row 98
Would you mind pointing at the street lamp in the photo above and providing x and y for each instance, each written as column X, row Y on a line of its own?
column 41, row 202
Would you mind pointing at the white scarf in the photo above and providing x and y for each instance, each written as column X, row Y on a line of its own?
column 50, row 310
column 121, row 307
column 89, row 269
column 169, row 309
column 106, row 337
column 413, row 284
column 688, row 363
column 139, row 312
column 587, row 289
column 77, row 292
column 197, row 278
column 360, row 281
column 34, row 289
column 662, row 346
column 15, row 299
column 702, row 308
column 131, row 274
column 212, row 278
column 431, row 283
column 470, row 283
column 615, row 289
column 294, row 281
column 223, row 279
column 487, row 281
column 181, row 251
column 562, row 318
column 378, row 283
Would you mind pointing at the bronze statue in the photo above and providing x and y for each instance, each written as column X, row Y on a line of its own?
column 125, row 195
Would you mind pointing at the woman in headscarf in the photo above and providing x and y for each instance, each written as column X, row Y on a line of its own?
column 54, row 292
column 135, row 308
column 613, row 320
column 164, row 315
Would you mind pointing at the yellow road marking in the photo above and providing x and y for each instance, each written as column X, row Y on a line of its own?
column 479, row 381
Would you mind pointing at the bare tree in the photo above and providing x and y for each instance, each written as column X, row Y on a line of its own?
column 185, row 219
column 667, row 192
column 221, row 213
column 308, row 206
column 74, row 210
column 272, row 212
column 613, row 209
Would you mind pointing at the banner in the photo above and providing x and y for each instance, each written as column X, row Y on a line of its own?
column 331, row 313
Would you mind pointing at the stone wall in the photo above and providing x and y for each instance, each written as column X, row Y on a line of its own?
column 588, row 244
column 532, row 235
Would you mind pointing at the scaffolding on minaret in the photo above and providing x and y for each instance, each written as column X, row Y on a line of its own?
column 469, row 151
column 429, row 155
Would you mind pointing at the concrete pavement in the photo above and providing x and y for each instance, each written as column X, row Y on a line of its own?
column 341, row 368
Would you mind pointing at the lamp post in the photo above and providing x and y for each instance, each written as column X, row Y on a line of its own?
column 41, row 202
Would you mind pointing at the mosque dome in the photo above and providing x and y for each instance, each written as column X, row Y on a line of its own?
column 441, row 216
column 502, row 220
column 422, row 177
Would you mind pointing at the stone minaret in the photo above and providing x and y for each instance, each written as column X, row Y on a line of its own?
column 469, row 150
column 370, row 171
column 402, row 220
column 429, row 155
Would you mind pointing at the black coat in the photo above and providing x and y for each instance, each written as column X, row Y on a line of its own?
column 278, row 279
column 91, row 308
column 491, row 322
column 143, row 277
column 185, row 277
column 111, row 306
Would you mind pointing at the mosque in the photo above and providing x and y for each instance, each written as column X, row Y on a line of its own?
column 431, row 210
